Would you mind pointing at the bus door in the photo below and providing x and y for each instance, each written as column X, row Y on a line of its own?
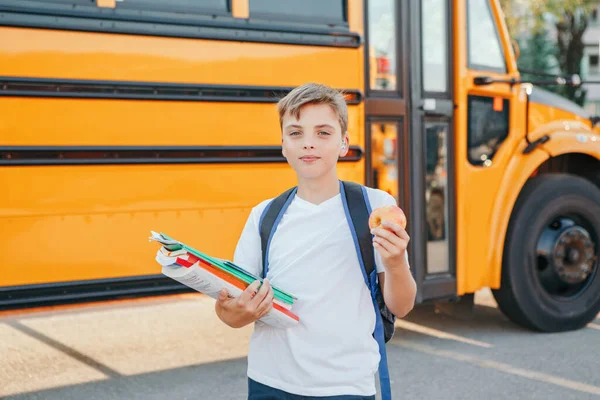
column 409, row 116
column 431, row 147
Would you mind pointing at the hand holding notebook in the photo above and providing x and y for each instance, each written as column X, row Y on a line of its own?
column 209, row 275
column 253, row 303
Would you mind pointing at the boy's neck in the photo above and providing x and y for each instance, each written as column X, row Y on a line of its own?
column 317, row 191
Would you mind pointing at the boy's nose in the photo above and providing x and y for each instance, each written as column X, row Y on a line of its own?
column 308, row 146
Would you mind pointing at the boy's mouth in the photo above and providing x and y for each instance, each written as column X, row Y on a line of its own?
column 309, row 158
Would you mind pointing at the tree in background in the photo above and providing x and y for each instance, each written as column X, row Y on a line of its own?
column 570, row 27
column 570, row 19
column 538, row 54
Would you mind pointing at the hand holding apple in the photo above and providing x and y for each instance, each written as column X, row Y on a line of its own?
column 387, row 213
column 390, row 239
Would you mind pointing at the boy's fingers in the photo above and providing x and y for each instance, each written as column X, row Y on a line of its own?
column 396, row 229
column 268, row 298
column 403, row 234
column 266, row 305
column 224, row 300
column 382, row 249
column 249, row 293
column 223, row 295
column 262, row 293
column 387, row 235
column 265, row 311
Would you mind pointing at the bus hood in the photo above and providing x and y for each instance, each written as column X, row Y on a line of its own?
column 548, row 112
column 544, row 97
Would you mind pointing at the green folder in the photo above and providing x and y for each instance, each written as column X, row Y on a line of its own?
column 227, row 266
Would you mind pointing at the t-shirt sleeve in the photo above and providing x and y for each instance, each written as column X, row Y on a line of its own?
column 379, row 198
column 248, row 252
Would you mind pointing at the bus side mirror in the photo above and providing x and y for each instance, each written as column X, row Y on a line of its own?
column 516, row 49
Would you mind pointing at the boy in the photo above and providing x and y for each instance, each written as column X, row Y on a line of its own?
column 331, row 353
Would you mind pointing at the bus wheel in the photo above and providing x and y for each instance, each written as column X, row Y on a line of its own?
column 550, row 278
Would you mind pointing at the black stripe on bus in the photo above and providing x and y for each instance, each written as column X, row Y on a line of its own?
column 46, row 294
column 109, row 155
column 183, row 27
column 138, row 90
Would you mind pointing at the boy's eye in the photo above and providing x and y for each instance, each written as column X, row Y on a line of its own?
column 324, row 133
column 295, row 133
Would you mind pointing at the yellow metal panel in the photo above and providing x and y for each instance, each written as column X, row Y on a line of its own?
column 63, row 190
column 518, row 170
column 542, row 116
column 106, row 3
column 77, row 223
column 478, row 187
column 125, row 122
column 69, row 223
column 505, row 39
column 460, row 144
column 484, row 200
column 86, row 55
column 240, row 8
column 574, row 141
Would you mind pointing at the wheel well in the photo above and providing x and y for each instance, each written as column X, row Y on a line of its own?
column 578, row 164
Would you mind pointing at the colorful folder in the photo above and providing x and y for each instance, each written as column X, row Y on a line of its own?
column 209, row 275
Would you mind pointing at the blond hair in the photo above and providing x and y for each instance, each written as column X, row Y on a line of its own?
column 314, row 93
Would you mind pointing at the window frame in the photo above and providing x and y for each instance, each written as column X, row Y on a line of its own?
column 283, row 18
column 399, row 122
column 480, row 67
column 171, row 8
column 86, row 16
column 449, row 196
column 69, row 2
column 398, row 92
column 506, row 106
column 446, row 94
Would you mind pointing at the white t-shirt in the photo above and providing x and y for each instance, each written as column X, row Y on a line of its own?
column 312, row 255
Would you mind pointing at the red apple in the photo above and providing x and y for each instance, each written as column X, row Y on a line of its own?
column 387, row 213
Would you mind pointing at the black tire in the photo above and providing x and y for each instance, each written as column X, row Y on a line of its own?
column 523, row 296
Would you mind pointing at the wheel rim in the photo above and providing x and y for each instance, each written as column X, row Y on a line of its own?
column 566, row 257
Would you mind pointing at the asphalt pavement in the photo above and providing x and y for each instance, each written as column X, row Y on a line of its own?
column 174, row 347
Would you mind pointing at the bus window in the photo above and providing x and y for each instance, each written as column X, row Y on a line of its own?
column 485, row 51
column 487, row 127
column 332, row 11
column 434, row 29
column 65, row 1
column 384, row 163
column 382, row 45
column 436, row 196
column 194, row 6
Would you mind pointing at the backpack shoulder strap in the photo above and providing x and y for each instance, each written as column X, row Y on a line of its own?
column 359, row 210
column 269, row 220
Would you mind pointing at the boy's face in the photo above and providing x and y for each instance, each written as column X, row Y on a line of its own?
column 313, row 143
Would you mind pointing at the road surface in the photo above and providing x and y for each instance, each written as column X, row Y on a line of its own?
column 173, row 347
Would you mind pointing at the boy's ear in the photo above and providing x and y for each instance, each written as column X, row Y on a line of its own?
column 282, row 148
column 345, row 145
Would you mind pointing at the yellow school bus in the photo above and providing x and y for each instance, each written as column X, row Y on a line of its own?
column 121, row 117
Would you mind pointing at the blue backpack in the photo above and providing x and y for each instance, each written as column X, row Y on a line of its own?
column 357, row 208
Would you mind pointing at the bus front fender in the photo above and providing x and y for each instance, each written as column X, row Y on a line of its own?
column 582, row 142
column 520, row 168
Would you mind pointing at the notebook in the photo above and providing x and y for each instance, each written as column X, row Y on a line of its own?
column 209, row 275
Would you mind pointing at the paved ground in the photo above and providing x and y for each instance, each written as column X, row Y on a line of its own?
column 175, row 348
